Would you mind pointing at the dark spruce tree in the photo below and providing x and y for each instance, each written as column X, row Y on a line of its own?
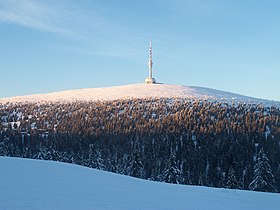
column 136, row 169
column 263, row 177
column 98, row 161
column 232, row 182
column 172, row 174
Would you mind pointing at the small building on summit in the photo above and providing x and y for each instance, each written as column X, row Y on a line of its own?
column 150, row 79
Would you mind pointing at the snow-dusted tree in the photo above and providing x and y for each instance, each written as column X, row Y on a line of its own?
column 91, row 156
column 263, row 177
column 4, row 147
column 222, row 180
column 232, row 182
column 42, row 154
column 172, row 174
column 136, row 165
column 98, row 161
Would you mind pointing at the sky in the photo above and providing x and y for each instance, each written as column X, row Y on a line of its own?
column 55, row 45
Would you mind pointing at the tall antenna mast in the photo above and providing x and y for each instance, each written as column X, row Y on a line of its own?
column 150, row 79
column 150, row 63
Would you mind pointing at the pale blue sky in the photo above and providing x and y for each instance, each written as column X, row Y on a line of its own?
column 53, row 45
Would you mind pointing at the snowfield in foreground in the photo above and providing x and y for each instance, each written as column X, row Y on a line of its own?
column 138, row 91
column 37, row 184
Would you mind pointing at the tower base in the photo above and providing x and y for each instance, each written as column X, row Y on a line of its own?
column 150, row 80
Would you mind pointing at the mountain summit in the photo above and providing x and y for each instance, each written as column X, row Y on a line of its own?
column 139, row 91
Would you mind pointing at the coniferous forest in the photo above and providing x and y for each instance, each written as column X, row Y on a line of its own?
column 194, row 142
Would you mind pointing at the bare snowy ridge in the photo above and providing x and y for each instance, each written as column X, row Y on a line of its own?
column 140, row 91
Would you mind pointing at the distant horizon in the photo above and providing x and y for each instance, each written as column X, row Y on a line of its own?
column 49, row 46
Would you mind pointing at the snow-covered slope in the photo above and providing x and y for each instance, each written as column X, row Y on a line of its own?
column 138, row 91
column 36, row 184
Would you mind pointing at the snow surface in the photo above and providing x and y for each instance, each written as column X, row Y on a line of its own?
column 138, row 91
column 38, row 184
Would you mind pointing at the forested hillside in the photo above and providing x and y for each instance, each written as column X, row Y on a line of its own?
column 194, row 142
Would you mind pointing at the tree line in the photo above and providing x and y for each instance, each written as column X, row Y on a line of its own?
column 196, row 142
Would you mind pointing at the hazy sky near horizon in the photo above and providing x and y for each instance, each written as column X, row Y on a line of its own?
column 53, row 45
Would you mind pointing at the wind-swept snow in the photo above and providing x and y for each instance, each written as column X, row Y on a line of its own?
column 138, row 91
column 37, row 184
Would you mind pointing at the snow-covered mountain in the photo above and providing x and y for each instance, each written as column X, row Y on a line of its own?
column 139, row 91
column 36, row 184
